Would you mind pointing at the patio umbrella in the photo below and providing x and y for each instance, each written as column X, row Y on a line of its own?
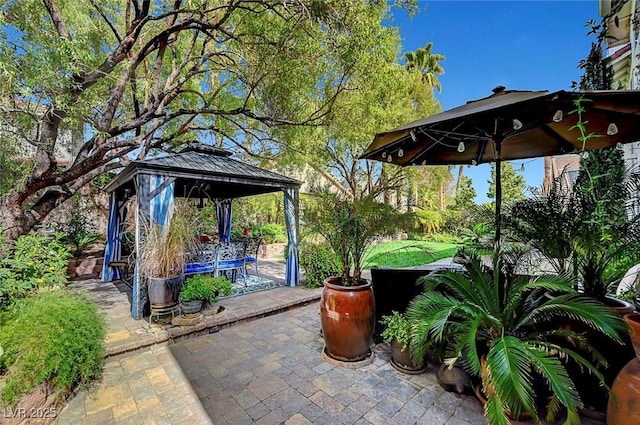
column 510, row 125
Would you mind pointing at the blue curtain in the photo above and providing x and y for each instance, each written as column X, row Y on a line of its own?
column 155, row 203
column 223, row 212
column 291, row 213
column 115, row 228
column 162, row 199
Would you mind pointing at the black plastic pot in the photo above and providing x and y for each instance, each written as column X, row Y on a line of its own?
column 191, row 307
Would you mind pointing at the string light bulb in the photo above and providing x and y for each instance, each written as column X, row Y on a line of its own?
column 413, row 136
column 612, row 129
column 384, row 154
column 389, row 159
column 517, row 124
column 461, row 147
column 557, row 117
column 522, row 167
column 474, row 162
column 400, row 153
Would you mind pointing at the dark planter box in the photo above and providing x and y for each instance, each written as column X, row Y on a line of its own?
column 393, row 289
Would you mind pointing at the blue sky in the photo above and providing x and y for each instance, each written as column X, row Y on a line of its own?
column 522, row 45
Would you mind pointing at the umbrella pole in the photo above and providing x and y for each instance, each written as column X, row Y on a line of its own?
column 498, row 185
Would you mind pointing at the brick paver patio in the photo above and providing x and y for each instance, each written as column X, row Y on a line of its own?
column 268, row 371
column 265, row 371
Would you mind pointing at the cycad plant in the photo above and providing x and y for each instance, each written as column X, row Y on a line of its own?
column 503, row 329
column 549, row 221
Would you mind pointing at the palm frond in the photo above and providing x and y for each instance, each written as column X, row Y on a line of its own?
column 508, row 363
column 430, row 312
column 470, row 341
column 481, row 287
column 561, row 283
column 554, row 372
column 463, row 287
column 582, row 309
column 494, row 411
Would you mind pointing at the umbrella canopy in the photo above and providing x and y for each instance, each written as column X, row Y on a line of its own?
column 509, row 125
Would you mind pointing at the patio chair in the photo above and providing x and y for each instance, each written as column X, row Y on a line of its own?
column 125, row 268
column 251, row 255
column 204, row 261
column 230, row 258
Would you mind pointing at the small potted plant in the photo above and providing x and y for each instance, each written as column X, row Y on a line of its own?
column 221, row 287
column 195, row 290
column 397, row 332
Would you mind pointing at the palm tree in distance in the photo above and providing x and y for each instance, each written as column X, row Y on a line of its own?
column 427, row 63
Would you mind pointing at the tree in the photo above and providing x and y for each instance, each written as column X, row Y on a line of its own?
column 435, row 187
column 465, row 193
column 380, row 94
column 513, row 184
column 427, row 64
column 138, row 77
column 602, row 172
column 596, row 74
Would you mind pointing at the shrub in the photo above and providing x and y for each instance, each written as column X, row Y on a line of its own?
column 54, row 337
column 442, row 238
column 34, row 261
column 204, row 287
column 319, row 263
column 271, row 233
column 79, row 231
column 398, row 327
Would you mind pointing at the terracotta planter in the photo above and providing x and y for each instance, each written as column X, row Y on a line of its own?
column 624, row 399
column 348, row 319
column 402, row 361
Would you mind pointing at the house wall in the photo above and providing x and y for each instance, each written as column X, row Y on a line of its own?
column 623, row 54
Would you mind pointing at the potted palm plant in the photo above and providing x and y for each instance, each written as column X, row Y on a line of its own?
column 397, row 333
column 585, row 230
column 163, row 253
column 578, row 232
column 349, row 225
column 502, row 329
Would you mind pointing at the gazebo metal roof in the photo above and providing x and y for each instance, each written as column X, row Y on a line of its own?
column 205, row 171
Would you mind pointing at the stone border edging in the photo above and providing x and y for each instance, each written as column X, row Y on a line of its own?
column 210, row 324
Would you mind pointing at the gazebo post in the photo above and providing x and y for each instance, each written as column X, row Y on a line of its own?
column 155, row 202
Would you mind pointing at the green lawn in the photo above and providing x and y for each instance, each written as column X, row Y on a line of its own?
column 407, row 253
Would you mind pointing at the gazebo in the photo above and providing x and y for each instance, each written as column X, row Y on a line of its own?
column 200, row 171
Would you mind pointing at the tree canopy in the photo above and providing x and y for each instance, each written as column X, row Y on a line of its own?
column 513, row 184
column 119, row 80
